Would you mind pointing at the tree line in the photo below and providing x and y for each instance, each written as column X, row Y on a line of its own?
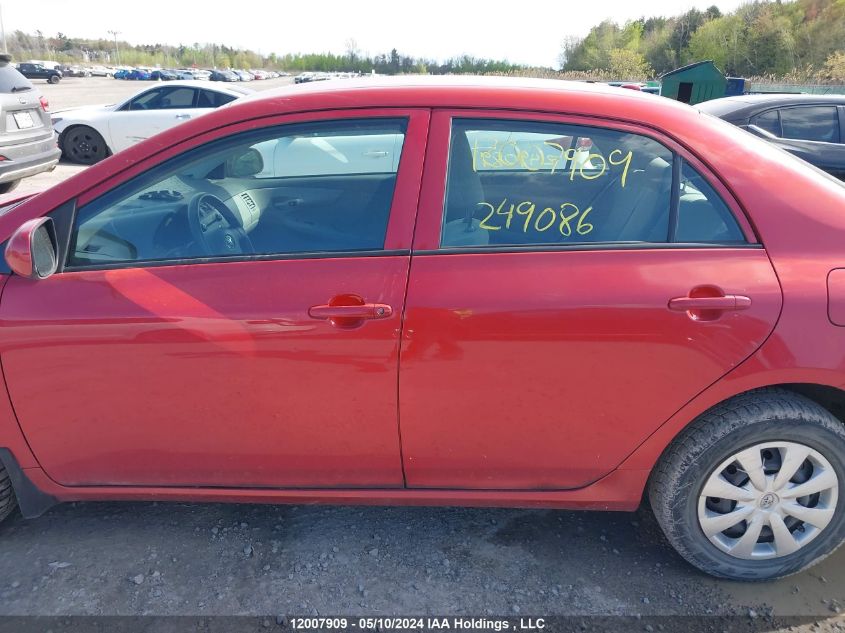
column 62, row 48
column 803, row 39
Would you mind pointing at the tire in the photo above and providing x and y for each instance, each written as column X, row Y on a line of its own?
column 6, row 187
column 719, row 445
column 82, row 144
column 54, row 79
column 8, row 502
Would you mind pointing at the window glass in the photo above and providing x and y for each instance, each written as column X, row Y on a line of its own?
column 11, row 80
column 212, row 99
column 146, row 101
column 332, row 154
column 703, row 216
column 769, row 121
column 177, row 98
column 526, row 183
column 219, row 200
column 811, row 123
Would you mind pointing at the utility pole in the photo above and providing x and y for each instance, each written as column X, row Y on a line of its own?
column 3, row 30
column 116, row 48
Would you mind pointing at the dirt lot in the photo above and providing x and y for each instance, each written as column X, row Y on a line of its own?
column 181, row 559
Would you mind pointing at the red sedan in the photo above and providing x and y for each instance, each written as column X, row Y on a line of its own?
column 468, row 292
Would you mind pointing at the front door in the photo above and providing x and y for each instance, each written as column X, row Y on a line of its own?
column 575, row 285
column 152, row 112
column 205, row 332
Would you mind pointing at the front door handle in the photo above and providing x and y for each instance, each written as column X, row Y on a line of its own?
column 183, row 116
column 363, row 311
column 722, row 304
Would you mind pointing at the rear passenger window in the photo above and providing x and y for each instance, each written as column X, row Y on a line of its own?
column 513, row 183
column 703, row 216
column 769, row 121
column 211, row 99
column 811, row 123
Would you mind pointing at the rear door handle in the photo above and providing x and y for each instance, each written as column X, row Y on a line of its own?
column 363, row 311
column 183, row 116
column 724, row 303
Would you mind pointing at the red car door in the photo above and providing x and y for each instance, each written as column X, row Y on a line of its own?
column 575, row 284
column 229, row 316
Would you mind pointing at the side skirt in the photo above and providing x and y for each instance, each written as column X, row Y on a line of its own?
column 621, row 490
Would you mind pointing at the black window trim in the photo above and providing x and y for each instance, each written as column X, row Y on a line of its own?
column 586, row 246
column 260, row 257
column 678, row 161
column 71, row 209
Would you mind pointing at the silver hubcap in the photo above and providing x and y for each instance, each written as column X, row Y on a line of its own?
column 768, row 501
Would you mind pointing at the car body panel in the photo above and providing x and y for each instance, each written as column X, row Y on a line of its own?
column 578, row 350
column 234, row 329
column 804, row 346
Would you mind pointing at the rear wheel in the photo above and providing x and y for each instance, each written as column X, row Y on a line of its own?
column 54, row 79
column 755, row 488
column 8, row 503
column 82, row 144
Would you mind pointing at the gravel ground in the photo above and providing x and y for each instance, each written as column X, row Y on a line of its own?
column 201, row 560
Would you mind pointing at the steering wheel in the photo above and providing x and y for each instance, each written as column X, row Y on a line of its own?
column 215, row 228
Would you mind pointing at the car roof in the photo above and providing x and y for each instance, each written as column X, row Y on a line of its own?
column 748, row 105
column 236, row 91
column 460, row 91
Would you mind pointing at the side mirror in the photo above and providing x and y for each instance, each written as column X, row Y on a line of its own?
column 32, row 251
column 246, row 164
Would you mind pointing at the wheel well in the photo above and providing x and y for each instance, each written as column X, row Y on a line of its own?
column 831, row 398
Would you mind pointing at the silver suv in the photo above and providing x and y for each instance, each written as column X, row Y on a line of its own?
column 28, row 144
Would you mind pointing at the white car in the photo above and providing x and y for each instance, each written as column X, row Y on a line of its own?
column 101, row 71
column 89, row 134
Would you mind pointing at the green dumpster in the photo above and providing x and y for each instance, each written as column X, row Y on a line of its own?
column 694, row 83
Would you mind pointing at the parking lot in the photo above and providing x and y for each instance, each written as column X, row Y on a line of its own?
column 185, row 559
column 73, row 92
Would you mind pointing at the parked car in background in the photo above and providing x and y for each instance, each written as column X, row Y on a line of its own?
column 223, row 75
column 138, row 74
column 101, row 71
column 259, row 74
column 121, row 73
column 27, row 141
column 74, row 71
column 303, row 78
column 184, row 74
column 89, row 134
column 163, row 75
column 244, row 75
column 201, row 74
column 665, row 316
column 37, row 71
column 811, row 127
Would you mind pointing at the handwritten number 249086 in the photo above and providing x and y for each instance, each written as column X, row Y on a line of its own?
column 567, row 218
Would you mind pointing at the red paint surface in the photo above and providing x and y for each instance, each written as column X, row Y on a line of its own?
column 519, row 373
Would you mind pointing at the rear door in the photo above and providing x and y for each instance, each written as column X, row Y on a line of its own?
column 574, row 283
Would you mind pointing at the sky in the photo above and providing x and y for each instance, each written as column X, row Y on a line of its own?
column 521, row 32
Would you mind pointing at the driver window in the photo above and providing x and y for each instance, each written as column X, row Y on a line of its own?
column 323, row 187
column 147, row 101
